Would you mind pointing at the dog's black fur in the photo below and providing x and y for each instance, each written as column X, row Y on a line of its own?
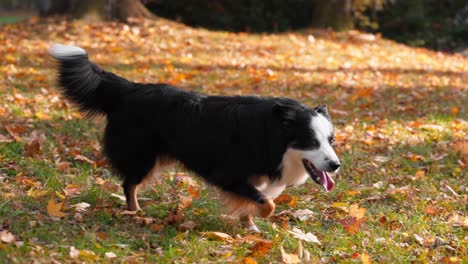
column 225, row 140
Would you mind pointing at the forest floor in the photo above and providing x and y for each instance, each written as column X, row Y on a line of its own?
column 401, row 132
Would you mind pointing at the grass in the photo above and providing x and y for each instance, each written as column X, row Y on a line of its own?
column 400, row 117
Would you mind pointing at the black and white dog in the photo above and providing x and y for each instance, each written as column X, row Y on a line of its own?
column 250, row 148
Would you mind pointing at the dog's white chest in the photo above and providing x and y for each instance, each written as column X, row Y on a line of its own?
column 293, row 173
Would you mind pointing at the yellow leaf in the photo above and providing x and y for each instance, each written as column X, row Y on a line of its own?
column 342, row 206
column 36, row 193
column 365, row 258
column 53, row 209
column 289, row 258
column 356, row 211
column 218, row 236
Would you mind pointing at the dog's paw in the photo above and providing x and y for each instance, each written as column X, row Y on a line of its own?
column 253, row 229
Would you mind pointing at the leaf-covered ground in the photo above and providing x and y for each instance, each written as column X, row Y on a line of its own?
column 401, row 128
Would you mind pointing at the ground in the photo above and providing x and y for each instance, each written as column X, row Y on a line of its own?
column 401, row 128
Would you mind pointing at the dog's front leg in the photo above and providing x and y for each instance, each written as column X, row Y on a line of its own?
column 247, row 222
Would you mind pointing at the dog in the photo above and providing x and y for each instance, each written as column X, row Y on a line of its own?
column 249, row 148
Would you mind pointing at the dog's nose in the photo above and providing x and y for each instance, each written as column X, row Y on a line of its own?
column 334, row 165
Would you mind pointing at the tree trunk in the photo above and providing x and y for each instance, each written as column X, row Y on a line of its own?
column 336, row 14
column 95, row 9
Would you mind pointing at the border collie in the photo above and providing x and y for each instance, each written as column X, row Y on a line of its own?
column 249, row 147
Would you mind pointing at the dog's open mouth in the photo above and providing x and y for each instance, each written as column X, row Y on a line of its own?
column 320, row 177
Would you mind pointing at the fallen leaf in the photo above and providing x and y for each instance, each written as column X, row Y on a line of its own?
column 283, row 199
column 32, row 148
column 261, row 248
column 72, row 189
column 303, row 214
column 80, row 207
column 249, row 260
column 289, row 258
column 156, row 227
column 110, row 255
column 342, row 206
column 365, row 258
column 174, row 217
column 74, row 253
column 189, row 225
column 185, row 202
column 53, row 209
column 307, row 237
column 351, row 224
column 193, row 191
column 218, row 236
column 356, row 211
column 36, row 193
column 6, row 236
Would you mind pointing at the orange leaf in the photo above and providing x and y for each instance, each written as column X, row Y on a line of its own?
column 262, row 247
column 194, row 192
column 351, row 224
column 249, row 260
column 283, row 199
column 53, row 209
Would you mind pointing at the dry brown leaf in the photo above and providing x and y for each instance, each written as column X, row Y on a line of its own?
column 72, row 189
column 185, row 202
column 54, row 209
column 174, row 217
column 289, row 258
column 156, row 227
column 6, row 236
column 32, row 148
column 189, row 225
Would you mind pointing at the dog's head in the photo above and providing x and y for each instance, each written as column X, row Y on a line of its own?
column 311, row 137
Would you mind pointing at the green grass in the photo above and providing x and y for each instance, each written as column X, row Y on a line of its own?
column 396, row 143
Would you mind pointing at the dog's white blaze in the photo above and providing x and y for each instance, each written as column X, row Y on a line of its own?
column 60, row 51
column 323, row 129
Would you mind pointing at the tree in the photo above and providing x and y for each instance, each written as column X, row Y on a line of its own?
column 100, row 9
column 336, row 14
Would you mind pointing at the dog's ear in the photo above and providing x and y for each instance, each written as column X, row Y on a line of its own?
column 322, row 109
column 287, row 113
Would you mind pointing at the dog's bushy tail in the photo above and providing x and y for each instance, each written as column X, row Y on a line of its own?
column 92, row 89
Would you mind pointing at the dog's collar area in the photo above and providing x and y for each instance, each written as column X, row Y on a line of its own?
column 320, row 177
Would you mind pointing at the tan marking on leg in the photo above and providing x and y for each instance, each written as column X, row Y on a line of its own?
column 240, row 206
column 131, row 195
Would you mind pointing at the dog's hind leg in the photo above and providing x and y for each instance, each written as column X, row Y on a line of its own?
column 131, row 191
column 131, row 185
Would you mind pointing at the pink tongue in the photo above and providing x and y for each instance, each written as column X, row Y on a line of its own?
column 326, row 181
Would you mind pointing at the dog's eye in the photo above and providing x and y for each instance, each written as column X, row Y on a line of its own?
column 331, row 140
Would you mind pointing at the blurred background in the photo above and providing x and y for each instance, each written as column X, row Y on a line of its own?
column 436, row 24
